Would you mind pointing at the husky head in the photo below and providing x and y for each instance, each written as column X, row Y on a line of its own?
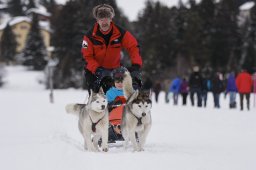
column 141, row 103
column 98, row 101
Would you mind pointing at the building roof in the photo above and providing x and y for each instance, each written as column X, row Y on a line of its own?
column 3, row 6
column 15, row 20
column 39, row 10
column 246, row 6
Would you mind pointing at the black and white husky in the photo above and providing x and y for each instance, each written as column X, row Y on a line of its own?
column 136, row 120
column 93, row 121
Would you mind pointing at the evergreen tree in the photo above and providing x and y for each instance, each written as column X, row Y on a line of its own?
column 192, row 36
column 31, row 4
column 50, row 5
column 8, row 45
column 157, row 30
column 207, row 13
column 15, row 8
column 249, row 60
column 225, row 43
column 35, row 51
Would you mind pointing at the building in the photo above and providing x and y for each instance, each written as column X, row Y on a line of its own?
column 21, row 26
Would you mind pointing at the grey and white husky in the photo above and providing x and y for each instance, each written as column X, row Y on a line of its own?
column 136, row 119
column 93, row 121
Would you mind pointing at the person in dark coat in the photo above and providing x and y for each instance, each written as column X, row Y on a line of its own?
column 147, row 85
column 195, row 86
column 232, row 90
column 217, row 88
column 157, row 88
column 206, row 86
column 184, row 91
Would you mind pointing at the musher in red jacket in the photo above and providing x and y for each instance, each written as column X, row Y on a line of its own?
column 101, row 49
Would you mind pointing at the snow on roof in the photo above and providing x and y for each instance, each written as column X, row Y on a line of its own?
column 246, row 6
column 39, row 10
column 19, row 19
column 3, row 6
column 15, row 20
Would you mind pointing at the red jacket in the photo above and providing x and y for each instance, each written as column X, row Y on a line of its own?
column 244, row 82
column 97, row 54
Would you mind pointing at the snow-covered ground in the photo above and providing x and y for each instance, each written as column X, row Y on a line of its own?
column 38, row 135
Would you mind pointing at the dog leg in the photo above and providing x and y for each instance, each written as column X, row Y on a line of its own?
column 85, row 146
column 105, row 140
column 126, row 138
column 133, row 140
column 144, row 135
column 88, row 142
column 139, row 141
column 95, row 141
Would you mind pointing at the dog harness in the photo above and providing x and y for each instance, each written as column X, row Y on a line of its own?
column 94, row 124
column 138, row 118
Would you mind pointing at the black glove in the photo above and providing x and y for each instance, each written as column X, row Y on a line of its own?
column 136, row 79
column 134, row 67
column 103, row 79
column 99, row 72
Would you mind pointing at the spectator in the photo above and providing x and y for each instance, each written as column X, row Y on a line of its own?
column 232, row 90
column 157, row 88
column 175, row 89
column 206, row 86
column 147, row 85
column 184, row 90
column 166, row 88
column 195, row 86
column 217, row 88
column 244, row 87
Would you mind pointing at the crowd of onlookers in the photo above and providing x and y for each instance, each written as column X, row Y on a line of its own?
column 197, row 87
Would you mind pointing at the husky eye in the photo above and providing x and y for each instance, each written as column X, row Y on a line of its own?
column 104, row 100
column 139, row 106
column 97, row 101
column 146, row 105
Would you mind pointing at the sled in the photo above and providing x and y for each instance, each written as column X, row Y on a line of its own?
column 115, row 120
column 115, row 116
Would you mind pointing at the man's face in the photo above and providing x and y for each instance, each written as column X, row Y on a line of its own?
column 104, row 23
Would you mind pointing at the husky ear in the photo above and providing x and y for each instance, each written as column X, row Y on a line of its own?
column 133, row 97
column 90, row 96
column 150, row 94
column 101, row 91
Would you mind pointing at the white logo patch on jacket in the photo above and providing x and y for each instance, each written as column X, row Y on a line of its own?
column 85, row 44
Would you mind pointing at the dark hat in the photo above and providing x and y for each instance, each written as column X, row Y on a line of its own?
column 103, row 11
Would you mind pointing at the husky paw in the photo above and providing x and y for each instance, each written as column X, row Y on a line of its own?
column 141, row 149
column 105, row 149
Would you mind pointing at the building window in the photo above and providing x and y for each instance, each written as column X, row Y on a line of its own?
column 23, row 27
column 18, row 35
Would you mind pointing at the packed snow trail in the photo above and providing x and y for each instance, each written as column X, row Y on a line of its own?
column 35, row 134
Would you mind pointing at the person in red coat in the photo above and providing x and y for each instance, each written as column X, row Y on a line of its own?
column 101, row 49
column 244, row 87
